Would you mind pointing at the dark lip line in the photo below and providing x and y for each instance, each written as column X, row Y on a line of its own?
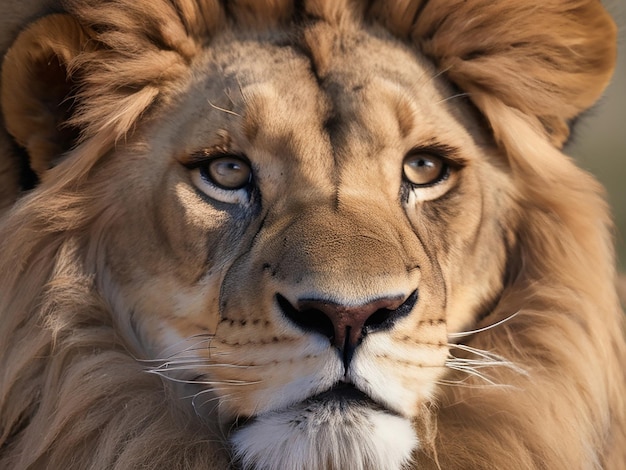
column 348, row 392
column 342, row 392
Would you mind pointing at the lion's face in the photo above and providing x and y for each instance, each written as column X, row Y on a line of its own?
column 304, row 230
column 339, row 235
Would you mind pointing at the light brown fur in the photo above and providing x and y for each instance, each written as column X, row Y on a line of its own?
column 116, row 264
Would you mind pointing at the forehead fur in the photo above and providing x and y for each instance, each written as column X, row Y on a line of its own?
column 549, row 60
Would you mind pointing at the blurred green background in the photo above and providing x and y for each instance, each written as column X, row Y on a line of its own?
column 599, row 143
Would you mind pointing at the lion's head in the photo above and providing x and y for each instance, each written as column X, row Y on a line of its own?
column 339, row 235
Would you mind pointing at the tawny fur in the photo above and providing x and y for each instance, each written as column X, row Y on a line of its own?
column 73, row 388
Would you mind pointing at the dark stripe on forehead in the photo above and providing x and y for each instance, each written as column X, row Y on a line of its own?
column 311, row 42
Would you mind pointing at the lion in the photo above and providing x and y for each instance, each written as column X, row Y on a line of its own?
column 316, row 234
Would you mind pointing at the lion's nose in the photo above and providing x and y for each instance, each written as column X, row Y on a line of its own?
column 346, row 325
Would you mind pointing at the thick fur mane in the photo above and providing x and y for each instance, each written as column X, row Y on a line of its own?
column 74, row 392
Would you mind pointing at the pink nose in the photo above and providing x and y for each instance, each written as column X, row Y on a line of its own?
column 345, row 326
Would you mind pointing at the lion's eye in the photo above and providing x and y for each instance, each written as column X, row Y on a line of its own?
column 424, row 169
column 225, row 178
column 227, row 172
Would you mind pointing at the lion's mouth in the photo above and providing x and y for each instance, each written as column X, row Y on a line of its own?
column 345, row 394
column 340, row 396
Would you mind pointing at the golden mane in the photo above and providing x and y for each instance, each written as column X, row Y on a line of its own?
column 73, row 393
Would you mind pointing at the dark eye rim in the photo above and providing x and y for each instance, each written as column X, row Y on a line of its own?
column 202, row 161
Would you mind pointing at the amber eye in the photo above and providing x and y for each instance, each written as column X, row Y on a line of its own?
column 424, row 169
column 228, row 172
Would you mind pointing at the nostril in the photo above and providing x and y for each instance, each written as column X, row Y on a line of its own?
column 308, row 319
column 385, row 317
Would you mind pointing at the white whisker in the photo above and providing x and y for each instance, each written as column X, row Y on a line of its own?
column 472, row 372
column 176, row 347
column 478, row 364
column 465, row 384
column 228, row 111
column 195, row 366
column 202, row 382
column 218, row 401
column 439, row 74
column 458, row 95
column 463, row 334
column 474, row 366
column 488, row 356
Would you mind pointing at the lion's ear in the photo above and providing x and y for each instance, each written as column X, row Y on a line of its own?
column 37, row 89
column 549, row 60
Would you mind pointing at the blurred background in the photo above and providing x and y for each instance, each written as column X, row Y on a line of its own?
column 599, row 143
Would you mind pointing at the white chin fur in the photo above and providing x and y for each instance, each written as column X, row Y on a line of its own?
column 325, row 436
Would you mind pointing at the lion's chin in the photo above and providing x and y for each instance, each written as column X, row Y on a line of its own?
column 326, row 432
